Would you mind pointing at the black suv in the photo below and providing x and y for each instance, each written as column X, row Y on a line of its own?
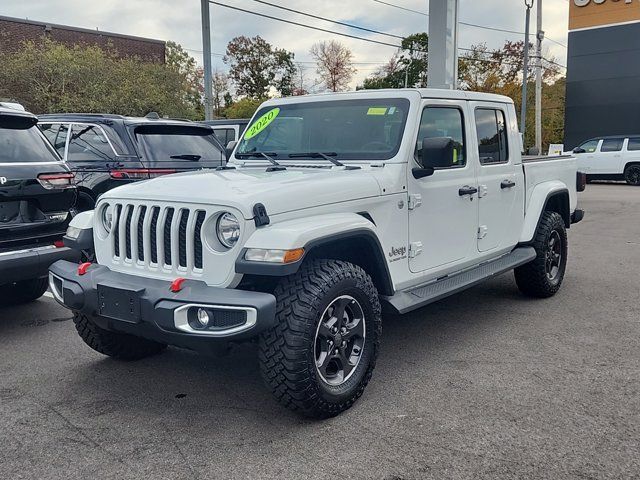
column 36, row 198
column 105, row 151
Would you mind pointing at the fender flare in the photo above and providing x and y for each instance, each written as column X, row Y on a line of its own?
column 538, row 204
column 313, row 234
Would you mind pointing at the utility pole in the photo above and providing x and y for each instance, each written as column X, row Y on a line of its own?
column 539, row 38
column 206, row 44
column 443, row 44
column 525, row 73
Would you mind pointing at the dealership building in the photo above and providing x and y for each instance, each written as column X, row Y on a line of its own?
column 603, row 70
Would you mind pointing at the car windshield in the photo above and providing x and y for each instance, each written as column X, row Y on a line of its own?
column 368, row 129
column 19, row 145
column 182, row 144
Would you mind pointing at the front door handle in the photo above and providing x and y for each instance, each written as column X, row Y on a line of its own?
column 507, row 184
column 467, row 190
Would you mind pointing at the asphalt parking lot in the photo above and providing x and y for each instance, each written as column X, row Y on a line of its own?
column 485, row 384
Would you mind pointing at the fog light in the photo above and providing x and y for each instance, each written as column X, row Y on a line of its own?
column 203, row 317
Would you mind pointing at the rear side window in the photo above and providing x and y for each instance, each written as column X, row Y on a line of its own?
column 178, row 144
column 57, row 134
column 89, row 143
column 612, row 145
column 18, row 145
column 225, row 135
column 634, row 144
column 491, row 127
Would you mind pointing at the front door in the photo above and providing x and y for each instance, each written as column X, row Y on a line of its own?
column 443, row 214
column 500, row 179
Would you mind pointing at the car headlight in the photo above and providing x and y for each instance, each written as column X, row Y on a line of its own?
column 228, row 230
column 106, row 216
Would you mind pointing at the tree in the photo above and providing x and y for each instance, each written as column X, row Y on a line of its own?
column 255, row 67
column 243, row 108
column 334, row 64
column 407, row 66
column 221, row 93
column 49, row 77
column 178, row 60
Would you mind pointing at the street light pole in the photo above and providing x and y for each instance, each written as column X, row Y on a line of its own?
column 525, row 72
column 206, row 44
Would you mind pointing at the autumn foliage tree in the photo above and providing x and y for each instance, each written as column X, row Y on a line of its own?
column 334, row 64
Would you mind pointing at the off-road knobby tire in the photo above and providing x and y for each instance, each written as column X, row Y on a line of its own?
column 531, row 278
column 631, row 175
column 286, row 352
column 23, row 292
column 116, row 345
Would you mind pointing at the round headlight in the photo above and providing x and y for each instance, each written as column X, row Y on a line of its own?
column 106, row 217
column 228, row 230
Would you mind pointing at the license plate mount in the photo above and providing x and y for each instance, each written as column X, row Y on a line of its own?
column 119, row 303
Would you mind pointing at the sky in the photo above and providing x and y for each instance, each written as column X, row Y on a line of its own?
column 180, row 21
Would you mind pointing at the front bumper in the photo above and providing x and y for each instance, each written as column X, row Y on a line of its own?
column 30, row 263
column 154, row 312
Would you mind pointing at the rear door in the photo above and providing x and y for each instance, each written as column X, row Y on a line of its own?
column 609, row 160
column 632, row 155
column 500, row 177
column 32, row 208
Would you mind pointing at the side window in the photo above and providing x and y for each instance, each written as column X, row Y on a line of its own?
column 612, row 145
column 225, row 135
column 589, row 147
column 491, row 127
column 444, row 122
column 89, row 143
column 634, row 144
column 56, row 133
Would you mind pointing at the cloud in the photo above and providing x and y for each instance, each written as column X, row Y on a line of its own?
column 180, row 21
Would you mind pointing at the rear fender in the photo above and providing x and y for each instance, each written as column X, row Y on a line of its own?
column 553, row 196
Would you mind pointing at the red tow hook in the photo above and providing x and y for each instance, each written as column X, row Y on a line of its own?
column 82, row 268
column 177, row 284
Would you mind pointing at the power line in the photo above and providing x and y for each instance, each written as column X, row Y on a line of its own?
column 468, row 24
column 337, row 22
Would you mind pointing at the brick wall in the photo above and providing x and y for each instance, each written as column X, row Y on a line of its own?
column 14, row 32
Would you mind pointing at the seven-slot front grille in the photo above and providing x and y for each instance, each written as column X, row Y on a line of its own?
column 158, row 236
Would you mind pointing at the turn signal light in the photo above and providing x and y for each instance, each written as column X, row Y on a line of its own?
column 274, row 256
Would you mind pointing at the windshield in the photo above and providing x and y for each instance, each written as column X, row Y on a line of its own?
column 368, row 129
column 19, row 145
column 186, row 145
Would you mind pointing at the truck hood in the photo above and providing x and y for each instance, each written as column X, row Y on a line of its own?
column 280, row 192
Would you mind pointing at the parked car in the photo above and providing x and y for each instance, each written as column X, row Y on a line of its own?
column 331, row 206
column 611, row 158
column 106, row 151
column 36, row 198
column 229, row 129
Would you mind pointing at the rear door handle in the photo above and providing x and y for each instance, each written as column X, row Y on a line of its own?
column 507, row 184
column 467, row 190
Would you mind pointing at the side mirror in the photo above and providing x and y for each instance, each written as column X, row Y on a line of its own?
column 438, row 152
column 579, row 150
column 230, row 148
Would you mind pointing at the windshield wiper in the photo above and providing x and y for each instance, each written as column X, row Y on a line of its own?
column 327, row 156
column 186, row 156
column 268, row 155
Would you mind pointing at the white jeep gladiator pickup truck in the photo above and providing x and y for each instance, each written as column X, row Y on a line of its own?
column 331, row 207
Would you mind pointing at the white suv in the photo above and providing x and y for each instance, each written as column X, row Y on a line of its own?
column 611, row 158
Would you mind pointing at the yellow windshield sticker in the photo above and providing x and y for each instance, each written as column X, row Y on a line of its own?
column 262, row 123
column 377, row 111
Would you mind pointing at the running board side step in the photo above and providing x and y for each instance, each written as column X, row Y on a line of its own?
column 417, row 297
